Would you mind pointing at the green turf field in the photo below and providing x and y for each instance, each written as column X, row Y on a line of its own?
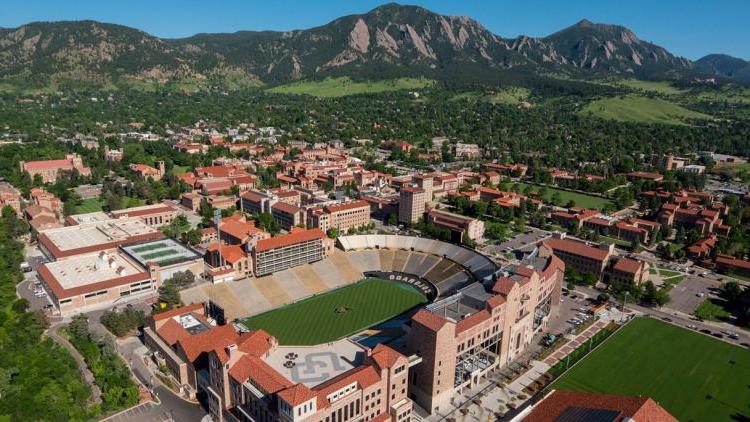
column 635, row 108
column 693, row 376
column 580, row 199
column 340, row 87
column 315, row 320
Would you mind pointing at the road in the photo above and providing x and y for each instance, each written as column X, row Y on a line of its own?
column 681, row 319
column 131, row 349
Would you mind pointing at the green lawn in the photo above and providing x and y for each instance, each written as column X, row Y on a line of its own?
column 316, row 320
column 635, row 108
column 89, row 205
column 661, row 87
column 181, row 169
column 713, row 310
column 510, row 96
column 695, row 377
column 580, row 199
column 340, row 87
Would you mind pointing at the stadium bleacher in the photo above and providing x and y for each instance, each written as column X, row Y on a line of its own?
column 445, row 265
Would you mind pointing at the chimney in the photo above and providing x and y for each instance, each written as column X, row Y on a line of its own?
column 231, row 350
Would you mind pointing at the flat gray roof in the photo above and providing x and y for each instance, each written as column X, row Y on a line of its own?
column 313, row 365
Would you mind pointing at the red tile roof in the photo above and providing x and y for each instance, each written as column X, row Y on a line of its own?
column 641, row 409
column 472, row 321
column 385, row 357
column 578, row 248
column 178, row 311
column 347, row 206
column 296, row 236
column 230, row 253
column 259, row 373
column 172, row 332
column 49, row 164
column 429, row 319
column 213, row 339
column 239, row 230
column 286, row 208
column 297, row 395
column 627, row 265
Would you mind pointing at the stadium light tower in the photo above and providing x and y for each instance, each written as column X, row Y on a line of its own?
column 217, row 221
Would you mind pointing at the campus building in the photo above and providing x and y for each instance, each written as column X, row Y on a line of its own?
column 50, row 169
column 10, row 197
column 580, row 256
column 461, row 226
column 287, row 215
column 411, row 205
column 300, row 246
column 461, row 338
column 93, row 236
column 97, row 279
column 348, row 215
column 156, row 215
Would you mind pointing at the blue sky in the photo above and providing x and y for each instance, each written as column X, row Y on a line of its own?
column 691, row 28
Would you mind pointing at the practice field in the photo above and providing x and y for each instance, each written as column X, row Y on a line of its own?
column 339, row 313
column 695, row 377
column 580, row 199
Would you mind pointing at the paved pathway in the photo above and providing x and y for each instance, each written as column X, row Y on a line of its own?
column 88, row 376
column 479, row 404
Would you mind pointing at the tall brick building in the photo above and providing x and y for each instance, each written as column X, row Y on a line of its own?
column 411, row 205
column 463, row 337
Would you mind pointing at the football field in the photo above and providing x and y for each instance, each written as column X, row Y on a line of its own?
column 693, row 376
column 338, row 313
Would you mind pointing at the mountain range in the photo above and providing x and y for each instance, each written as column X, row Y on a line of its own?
column 390, row 40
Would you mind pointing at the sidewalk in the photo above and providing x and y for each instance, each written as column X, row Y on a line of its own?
column 481, row 403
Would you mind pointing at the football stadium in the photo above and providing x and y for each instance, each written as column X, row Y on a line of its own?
column 351, row 324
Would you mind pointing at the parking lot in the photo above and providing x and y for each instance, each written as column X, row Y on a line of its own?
column 691, row 292
column 530, row 237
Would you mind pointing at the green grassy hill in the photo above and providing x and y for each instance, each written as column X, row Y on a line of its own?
column 635, row 108
column 340, row 87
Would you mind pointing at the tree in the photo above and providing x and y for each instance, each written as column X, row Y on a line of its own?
column 393, row 219
column 169, row 297
column 193, row 236
column 79, row 326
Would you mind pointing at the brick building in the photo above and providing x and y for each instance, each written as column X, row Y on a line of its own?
column 300, row 246
column 348, row 215
column 411, row 206
column 460, row 339
column 50, row 169
column 463, row 227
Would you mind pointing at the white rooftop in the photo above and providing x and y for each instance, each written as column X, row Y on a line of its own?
column 90, row 217
column 97, row 232
column 83, row 270
column 313, row 365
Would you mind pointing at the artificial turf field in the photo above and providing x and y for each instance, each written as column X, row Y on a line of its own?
column 315, row 320
column 693, row 376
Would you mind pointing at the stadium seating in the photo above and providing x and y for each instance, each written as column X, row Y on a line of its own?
column 445, row 265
